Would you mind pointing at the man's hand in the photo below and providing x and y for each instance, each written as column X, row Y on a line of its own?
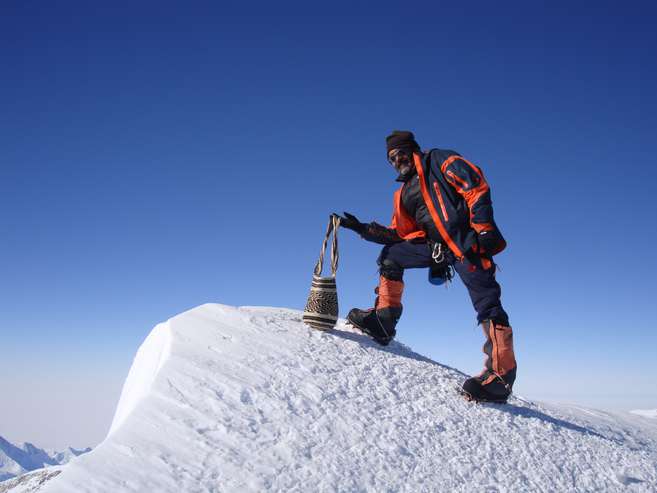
column 490, row 242
column 350, row 221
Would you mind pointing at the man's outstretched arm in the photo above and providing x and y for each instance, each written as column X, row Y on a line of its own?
column 373, row 231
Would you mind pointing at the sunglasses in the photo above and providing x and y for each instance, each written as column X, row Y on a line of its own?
column 399, row 156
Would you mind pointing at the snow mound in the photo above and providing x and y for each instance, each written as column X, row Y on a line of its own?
column 249, row 399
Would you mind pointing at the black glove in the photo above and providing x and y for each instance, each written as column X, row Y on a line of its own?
column 491, row 242
column 350, row 221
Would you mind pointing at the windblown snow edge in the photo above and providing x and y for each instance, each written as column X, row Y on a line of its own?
column 150, row 358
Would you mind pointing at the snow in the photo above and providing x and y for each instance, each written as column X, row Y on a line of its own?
column 16, row 460
column 221, row 398
column 151, row 356
column 67, row 455
column 30, row 482
column 647, row 413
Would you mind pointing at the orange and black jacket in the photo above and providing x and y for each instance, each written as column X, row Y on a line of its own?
column 457, row 198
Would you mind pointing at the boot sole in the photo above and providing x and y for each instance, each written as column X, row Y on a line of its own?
column 471, row 398
column 381, row 342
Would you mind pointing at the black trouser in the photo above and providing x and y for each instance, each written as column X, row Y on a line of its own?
column 484, row 290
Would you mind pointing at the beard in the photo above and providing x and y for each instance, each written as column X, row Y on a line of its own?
column 405, row 169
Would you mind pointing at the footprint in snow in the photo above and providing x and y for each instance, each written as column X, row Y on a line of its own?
column 245, row 397
column 627, row 480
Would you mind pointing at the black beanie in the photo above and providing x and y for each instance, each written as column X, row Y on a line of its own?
column 401, row 139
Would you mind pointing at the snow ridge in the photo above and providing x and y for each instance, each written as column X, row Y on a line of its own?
column 221, row 398
column 151, row 355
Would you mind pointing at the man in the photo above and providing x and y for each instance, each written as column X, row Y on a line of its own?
column 443, row 219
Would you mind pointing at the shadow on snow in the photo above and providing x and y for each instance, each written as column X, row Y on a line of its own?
column 525, row 411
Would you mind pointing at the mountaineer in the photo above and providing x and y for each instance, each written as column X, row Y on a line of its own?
column 442, row 220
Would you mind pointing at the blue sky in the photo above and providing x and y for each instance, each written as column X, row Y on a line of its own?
column 159, row 156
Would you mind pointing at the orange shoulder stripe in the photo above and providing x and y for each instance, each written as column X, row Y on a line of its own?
column 447, row 162
column 473, row 195
column 461, row 181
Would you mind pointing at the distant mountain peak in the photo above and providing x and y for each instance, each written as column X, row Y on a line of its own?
column 16, row 460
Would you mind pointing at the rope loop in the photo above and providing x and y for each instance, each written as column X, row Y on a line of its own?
column 333, row 225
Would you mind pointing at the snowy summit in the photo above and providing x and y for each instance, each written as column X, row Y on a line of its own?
column 249, row 399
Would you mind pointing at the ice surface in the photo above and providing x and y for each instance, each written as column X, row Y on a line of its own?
column 250, row 399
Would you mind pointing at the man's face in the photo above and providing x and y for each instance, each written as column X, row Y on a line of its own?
column 402, row 160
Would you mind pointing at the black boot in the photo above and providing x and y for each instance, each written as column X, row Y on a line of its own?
column 496, row 381
column 378, row 324
column 488, row 388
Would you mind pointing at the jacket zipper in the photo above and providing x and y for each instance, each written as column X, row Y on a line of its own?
column 440, row 200
column 424, row 187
